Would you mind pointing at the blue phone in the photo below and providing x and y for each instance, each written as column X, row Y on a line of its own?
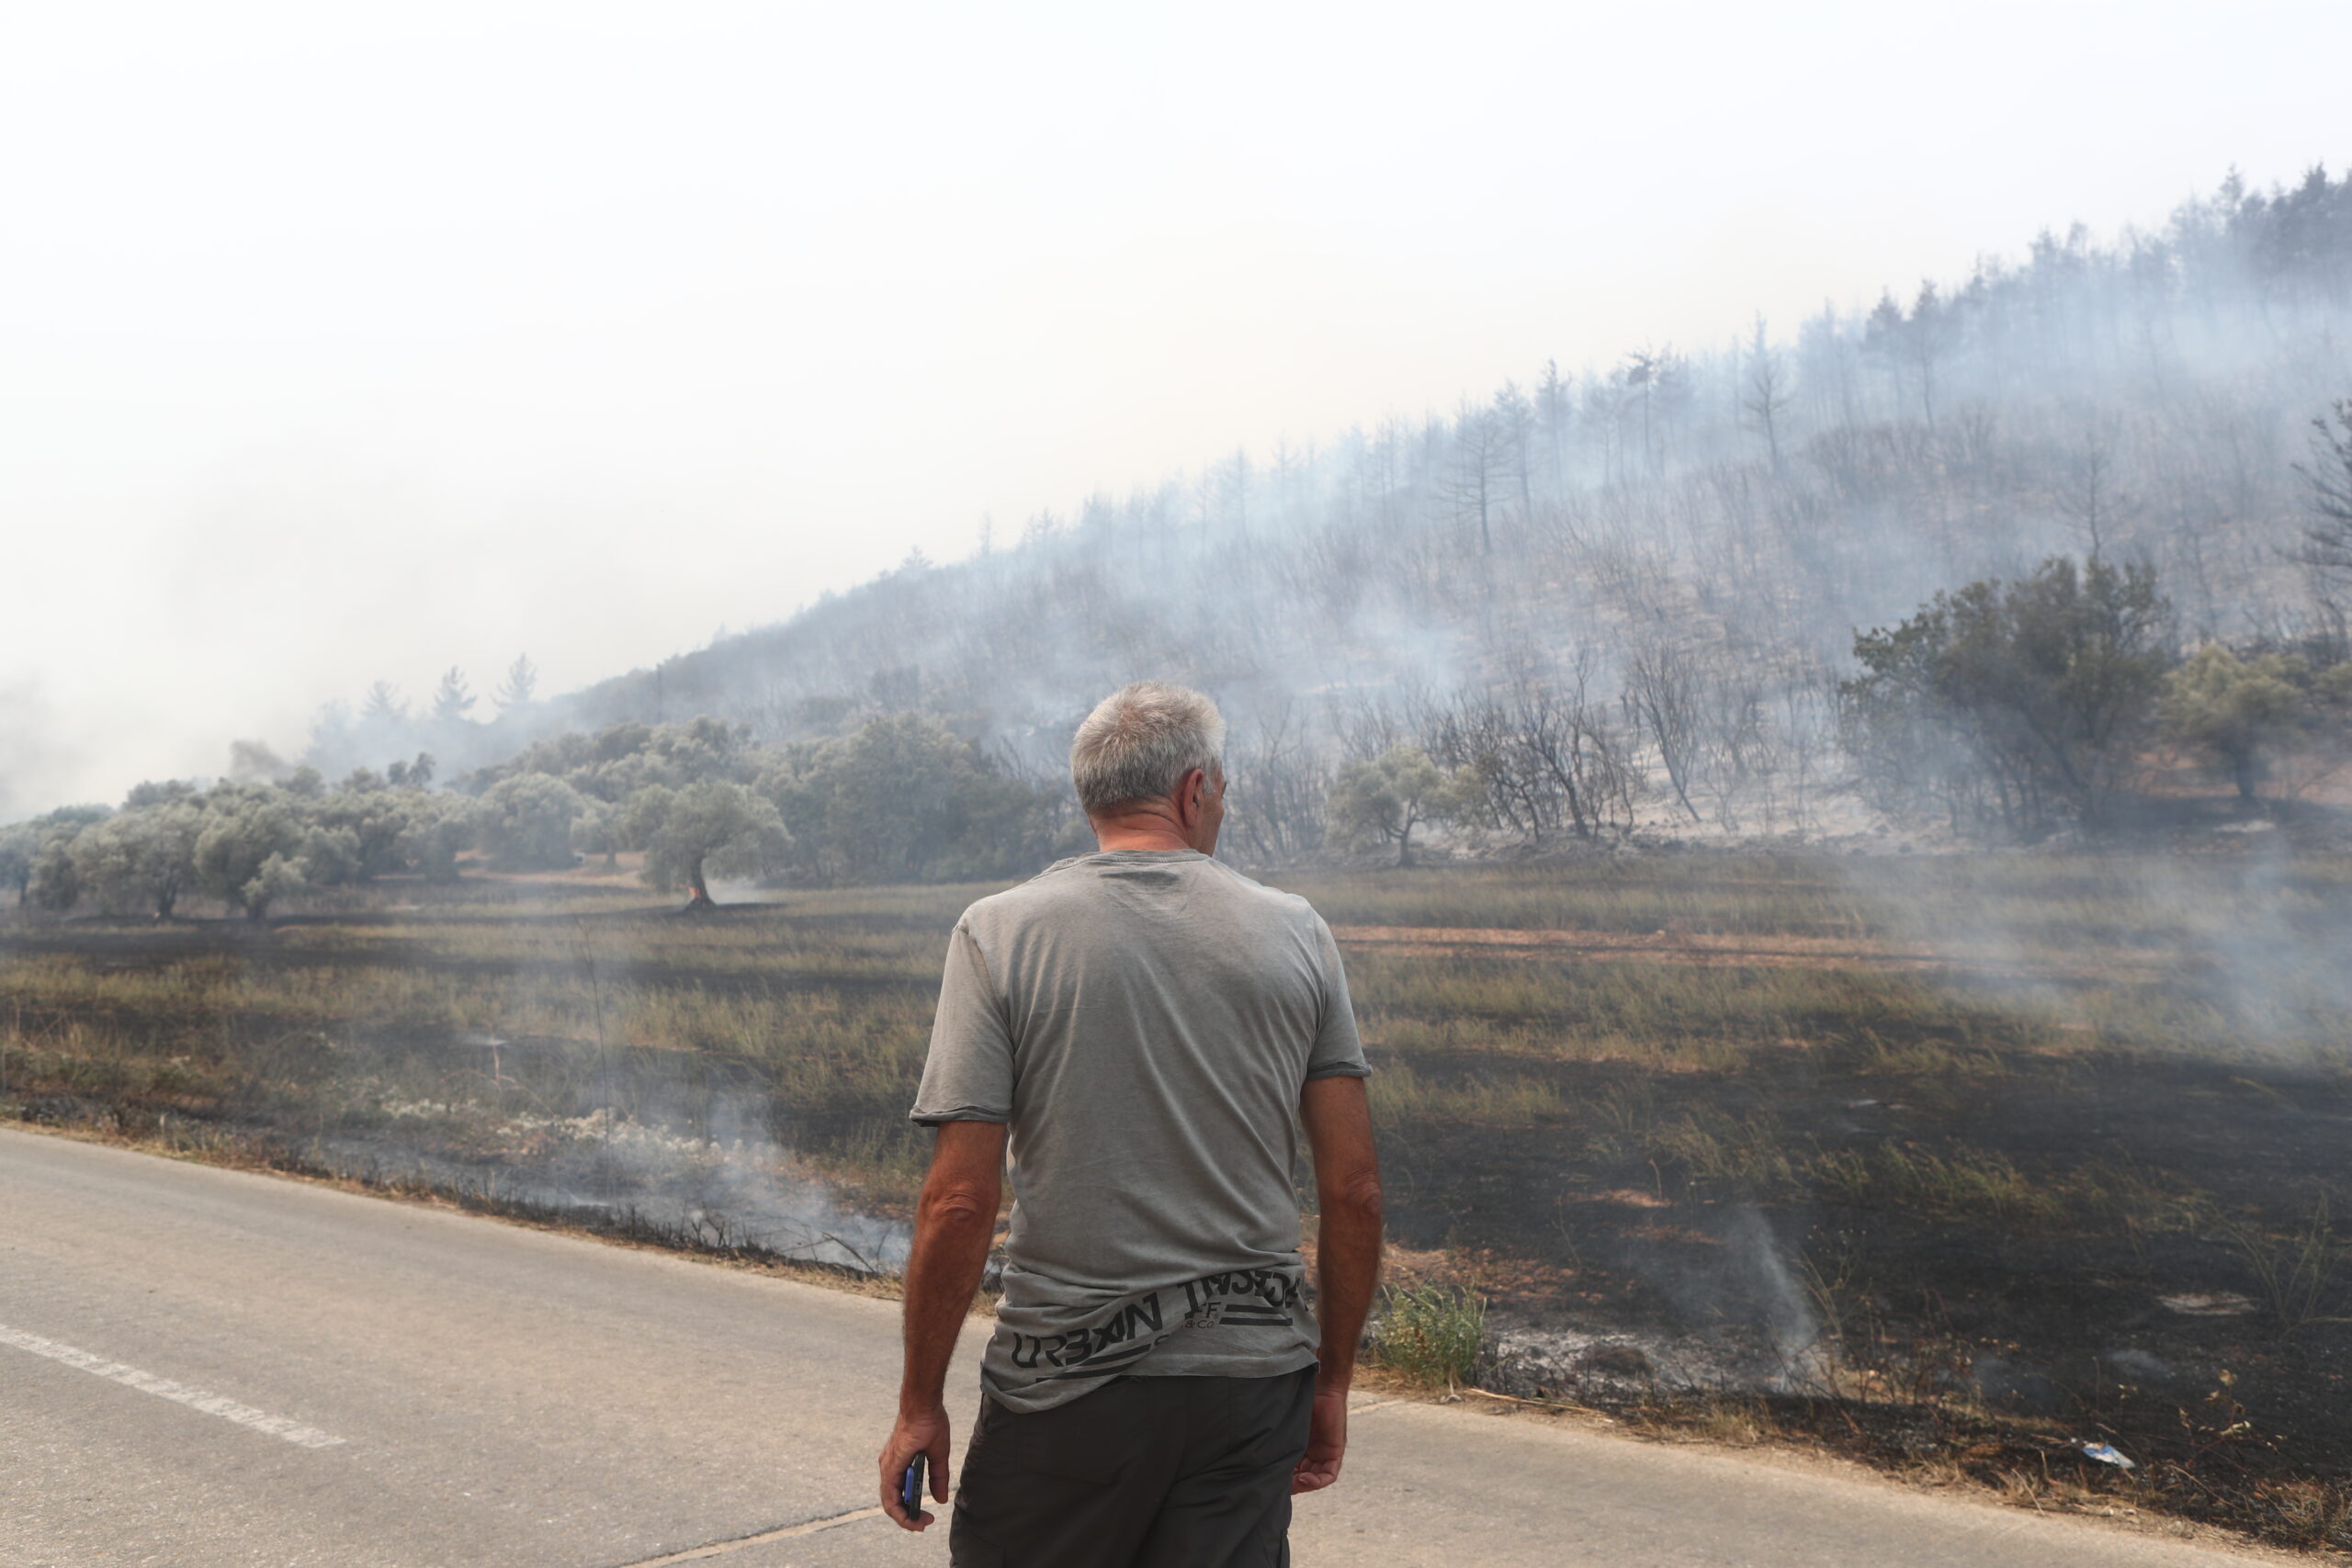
column 910, row 1490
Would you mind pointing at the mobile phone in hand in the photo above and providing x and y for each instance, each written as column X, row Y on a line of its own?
column 910, row 1490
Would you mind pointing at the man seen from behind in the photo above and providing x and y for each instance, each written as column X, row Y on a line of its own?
column 1145, row 1032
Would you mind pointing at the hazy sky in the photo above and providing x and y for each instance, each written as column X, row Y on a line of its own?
column 340, row 341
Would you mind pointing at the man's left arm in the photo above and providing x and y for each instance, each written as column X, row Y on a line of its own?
column 954, row 1221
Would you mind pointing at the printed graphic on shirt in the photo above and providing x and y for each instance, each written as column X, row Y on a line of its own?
column 1251, row 1298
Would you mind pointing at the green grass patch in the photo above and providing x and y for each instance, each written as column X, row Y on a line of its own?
column 1429, row 1334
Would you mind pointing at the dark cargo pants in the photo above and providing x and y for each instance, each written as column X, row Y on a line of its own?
column 1143, row 1472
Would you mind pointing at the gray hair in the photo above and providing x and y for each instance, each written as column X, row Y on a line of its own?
column 1141, row 742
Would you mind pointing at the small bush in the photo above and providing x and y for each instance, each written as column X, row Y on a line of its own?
column 1431, row 1334
column 2301, row 1273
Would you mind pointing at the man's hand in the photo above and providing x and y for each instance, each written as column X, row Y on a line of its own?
column 918, row 1432
column 1327, row 1441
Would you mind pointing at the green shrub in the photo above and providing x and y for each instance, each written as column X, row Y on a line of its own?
column 1431, row 1334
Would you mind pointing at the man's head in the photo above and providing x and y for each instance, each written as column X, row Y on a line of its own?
column 1150, row 767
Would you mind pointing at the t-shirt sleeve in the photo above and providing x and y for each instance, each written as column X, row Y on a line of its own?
column 1338, row 1052
column 968, row 1076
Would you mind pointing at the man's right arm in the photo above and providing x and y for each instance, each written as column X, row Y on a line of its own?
column 955, row 1219
column 1337, row 1114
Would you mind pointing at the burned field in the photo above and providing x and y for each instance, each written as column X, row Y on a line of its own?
column 1960, row 1164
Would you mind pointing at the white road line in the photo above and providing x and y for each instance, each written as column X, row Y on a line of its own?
column 721, row 1548
column 164, row 1388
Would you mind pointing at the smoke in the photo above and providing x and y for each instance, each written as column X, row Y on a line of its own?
column 560, row 1104
column 36, row 748
column 1742, row 1322
column 2236, row 954
column 2269, row 957
column 735, row 1188
column 1744, row 1283
column 1759, row 1269
column 659, row 1154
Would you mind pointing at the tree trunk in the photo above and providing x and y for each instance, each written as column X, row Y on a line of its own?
column 2242, row 770
column 698, row 891
column 1674, row 777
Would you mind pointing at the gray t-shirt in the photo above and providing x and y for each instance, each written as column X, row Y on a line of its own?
column 1144, row 1020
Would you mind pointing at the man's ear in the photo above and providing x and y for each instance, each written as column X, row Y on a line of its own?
column 1190, row 795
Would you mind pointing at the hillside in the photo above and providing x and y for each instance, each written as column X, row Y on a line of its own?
column 1720, row 520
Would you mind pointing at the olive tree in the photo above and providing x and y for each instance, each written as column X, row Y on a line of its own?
column 1381, row 801
column 143, row 858
column 639, row 816
column 904, row 797
column 433, row 828
column 19, row 844
column 331, row 856
column 278, row 876
column 709, row 827
column 2233, row 708
column 596, row 831
column 527, row 820
column 37, row 856
column 377, row 819
column 248, row 852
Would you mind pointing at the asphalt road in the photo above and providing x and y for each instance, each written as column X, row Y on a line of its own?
column 201, row 1367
